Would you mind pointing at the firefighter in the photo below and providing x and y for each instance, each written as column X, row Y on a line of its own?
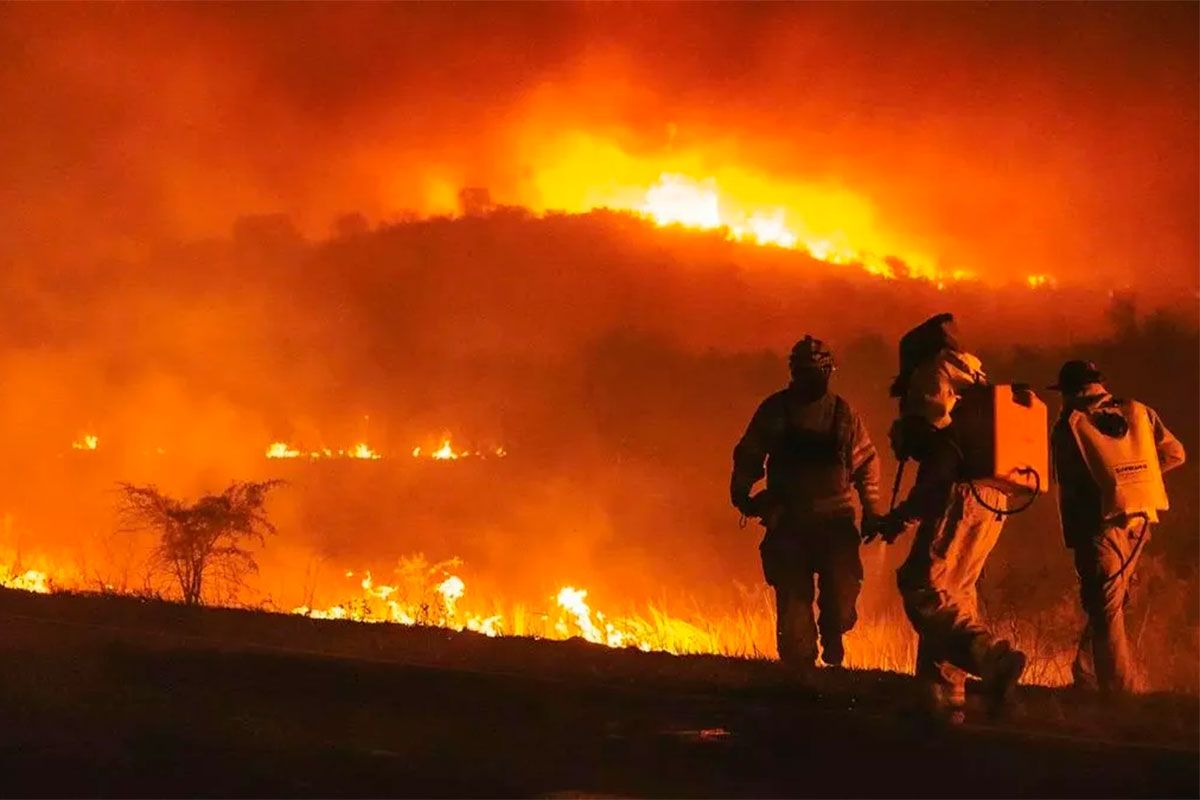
column 957, row 526
column 1109, row 458
column 816, row 455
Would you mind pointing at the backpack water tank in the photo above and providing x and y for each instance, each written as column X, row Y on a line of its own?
column 1003, row 433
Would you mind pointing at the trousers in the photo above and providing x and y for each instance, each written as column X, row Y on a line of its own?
column 1106, row 563
column 807, row 558
column 937, row 584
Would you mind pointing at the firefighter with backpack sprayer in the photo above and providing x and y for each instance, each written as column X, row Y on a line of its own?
column 1109, row 458
column 958, row 524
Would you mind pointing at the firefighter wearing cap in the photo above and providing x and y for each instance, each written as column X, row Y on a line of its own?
column 816, row 455
column 1109, row 459
column 956, row 530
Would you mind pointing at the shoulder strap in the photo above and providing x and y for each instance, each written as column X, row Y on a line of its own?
column 780, row 415
column 843, row 428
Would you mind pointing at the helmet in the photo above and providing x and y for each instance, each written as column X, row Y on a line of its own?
column 810, row 353
column 921, row 344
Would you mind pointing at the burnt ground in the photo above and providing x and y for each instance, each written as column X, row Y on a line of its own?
column 116, row 696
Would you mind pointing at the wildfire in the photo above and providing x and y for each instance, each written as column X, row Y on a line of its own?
column 360, row 451
column 282, row 450
column 436, row 595
column 411, row 601
column 679, row 200
column 424, row 594
column 703, row 189
column 30, row 581
column 87, row 442
column 573, row 601
column 445, row 452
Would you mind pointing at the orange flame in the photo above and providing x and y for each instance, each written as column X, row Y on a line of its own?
column 445, row 451
column 706, row 189
column 86, row 442
column 360, row 451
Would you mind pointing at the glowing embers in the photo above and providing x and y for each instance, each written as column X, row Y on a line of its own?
column 445, row 451
column 361, row 451
column 87, row 442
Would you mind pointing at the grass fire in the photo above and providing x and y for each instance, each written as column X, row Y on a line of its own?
column 694, row 398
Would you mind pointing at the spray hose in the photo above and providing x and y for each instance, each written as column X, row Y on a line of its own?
column 999, row 512
column 1008, row 512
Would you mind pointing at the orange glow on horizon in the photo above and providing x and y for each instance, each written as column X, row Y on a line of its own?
column 578, row 172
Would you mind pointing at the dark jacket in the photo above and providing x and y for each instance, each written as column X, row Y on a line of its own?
column 815, row 457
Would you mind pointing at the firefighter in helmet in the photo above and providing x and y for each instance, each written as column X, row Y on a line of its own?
column 816, row 455
column 957, row 525
column 1109, row 458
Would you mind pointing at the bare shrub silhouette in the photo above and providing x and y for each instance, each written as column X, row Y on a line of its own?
column 205, row 539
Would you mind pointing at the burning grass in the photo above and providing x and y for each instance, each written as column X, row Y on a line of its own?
column 433, row 594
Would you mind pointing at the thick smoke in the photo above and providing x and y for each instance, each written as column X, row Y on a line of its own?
column 1002, row 139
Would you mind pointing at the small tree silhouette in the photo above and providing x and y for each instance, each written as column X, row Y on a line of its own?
column 203, row 539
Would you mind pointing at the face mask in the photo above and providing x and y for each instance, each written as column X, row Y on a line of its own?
column 810, row 384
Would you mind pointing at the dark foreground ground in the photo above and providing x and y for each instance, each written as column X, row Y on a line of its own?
column 113, row 696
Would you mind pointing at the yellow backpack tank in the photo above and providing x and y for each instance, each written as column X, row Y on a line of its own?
column 1126, row 467
column 1003, row 434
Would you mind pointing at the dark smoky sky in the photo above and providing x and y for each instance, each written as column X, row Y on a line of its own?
column 1012, row 138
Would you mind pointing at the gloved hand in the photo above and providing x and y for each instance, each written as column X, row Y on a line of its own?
column 760, row 507
column 888, row 527
column 1023, row 394
column 871, row 528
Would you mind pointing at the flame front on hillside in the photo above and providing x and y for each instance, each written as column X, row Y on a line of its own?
column 443, row 451
column 360, row 450
column 446, row 451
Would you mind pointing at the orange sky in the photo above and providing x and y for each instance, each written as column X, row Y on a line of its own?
column 1006, row 140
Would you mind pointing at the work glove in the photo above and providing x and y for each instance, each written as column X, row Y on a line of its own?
column 761, row 507
column 888, row 527
column 871, row 528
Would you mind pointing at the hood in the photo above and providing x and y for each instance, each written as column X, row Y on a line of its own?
column 963, row 367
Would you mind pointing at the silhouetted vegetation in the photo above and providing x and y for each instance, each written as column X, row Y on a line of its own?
column 205, row 539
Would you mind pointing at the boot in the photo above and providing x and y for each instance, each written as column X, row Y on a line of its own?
column 832, row 651
column 1002, row 668
column 942, row 705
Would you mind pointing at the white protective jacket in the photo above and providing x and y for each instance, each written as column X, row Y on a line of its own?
column 936, row 386
column 1104, row 473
